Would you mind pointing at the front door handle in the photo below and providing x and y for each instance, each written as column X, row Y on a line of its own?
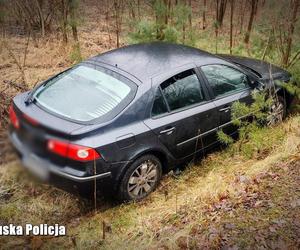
column 167, row 131
column 226, row 109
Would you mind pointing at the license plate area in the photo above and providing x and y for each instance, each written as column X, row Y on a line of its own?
column 36, row 167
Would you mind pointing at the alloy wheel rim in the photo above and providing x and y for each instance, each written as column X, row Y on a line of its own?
column 143, row 179
column 276, row 113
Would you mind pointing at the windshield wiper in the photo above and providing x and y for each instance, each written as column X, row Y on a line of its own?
column 30, row 98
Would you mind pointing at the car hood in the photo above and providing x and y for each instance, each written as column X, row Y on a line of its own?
column 264, row 69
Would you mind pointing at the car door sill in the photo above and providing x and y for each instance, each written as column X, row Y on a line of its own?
column 209, row 131
column 197, row 136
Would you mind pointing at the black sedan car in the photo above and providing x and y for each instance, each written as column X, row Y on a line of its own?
column 123, row 118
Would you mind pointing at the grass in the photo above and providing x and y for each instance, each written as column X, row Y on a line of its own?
column 212, row 191
column 42, row 203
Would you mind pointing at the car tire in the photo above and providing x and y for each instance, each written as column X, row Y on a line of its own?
column 277, row 112
column 140, row 179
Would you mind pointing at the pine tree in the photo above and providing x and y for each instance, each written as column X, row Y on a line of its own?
column 168, row 24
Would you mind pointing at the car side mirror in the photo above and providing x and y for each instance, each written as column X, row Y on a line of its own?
column 255, row 84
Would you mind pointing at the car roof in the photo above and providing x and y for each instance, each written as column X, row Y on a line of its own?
column 148, row 59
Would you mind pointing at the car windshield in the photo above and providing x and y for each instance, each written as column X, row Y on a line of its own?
column 84, row 93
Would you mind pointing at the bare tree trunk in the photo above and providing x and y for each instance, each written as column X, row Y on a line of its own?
column 73, row 7
column 166, row 14
column 117, row 6
column 217, row 37
column 267, row 46
column 295, row 4
column 183, row 33
column 217, row 11
column 139, row 8
column 190, row 14
column 107, row 21
column 132, row 9
column 231, row 24
column 2, row 10
column 64, row 7
column 204, row 15
column 242, row 15
column 254, row 4
column 220, row 11
column 42, row 21
column 162, row 20
column 169, row 10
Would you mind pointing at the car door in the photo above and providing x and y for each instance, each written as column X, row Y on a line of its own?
column 227, row 85
column 180, row 105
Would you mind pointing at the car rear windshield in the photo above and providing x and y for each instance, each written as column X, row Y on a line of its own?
column 85, row 93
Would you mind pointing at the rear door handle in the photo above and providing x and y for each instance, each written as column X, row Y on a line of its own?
column 226, row 109
column 167, row 131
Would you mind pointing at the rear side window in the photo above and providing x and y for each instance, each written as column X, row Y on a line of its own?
column 85, row 93
column 159, row 105
column 182, row 90
column 224, row 80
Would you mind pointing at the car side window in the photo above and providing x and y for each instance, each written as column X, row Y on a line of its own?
column 159, row 105
column 182, row 90
column 224, row 80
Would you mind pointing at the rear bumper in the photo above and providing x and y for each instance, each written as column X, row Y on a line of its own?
column 43, row 168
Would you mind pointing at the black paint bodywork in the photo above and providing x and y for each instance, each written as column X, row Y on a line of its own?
column 133, row 132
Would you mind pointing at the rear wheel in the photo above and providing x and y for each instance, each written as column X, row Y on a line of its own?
column 277, row 112
column 140, row 179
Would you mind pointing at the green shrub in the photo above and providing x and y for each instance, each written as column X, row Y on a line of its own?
column 224, row 138
column 75, row 55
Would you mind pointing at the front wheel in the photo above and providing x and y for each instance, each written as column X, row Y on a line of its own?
column 140, row 179
column 277, row 111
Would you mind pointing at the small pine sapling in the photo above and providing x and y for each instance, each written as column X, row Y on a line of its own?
column 248, row 119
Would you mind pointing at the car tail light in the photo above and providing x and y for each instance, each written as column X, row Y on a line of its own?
column 31, row 120
column 72, row 151
column 13, row 117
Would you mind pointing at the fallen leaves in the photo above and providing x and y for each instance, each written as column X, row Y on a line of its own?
column 295, row 203
column 257, row 215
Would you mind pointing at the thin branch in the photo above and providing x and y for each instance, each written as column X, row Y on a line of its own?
column 294, row 59
column 26, row 51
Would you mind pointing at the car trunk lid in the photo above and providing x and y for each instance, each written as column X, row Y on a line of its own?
column 37, row 126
